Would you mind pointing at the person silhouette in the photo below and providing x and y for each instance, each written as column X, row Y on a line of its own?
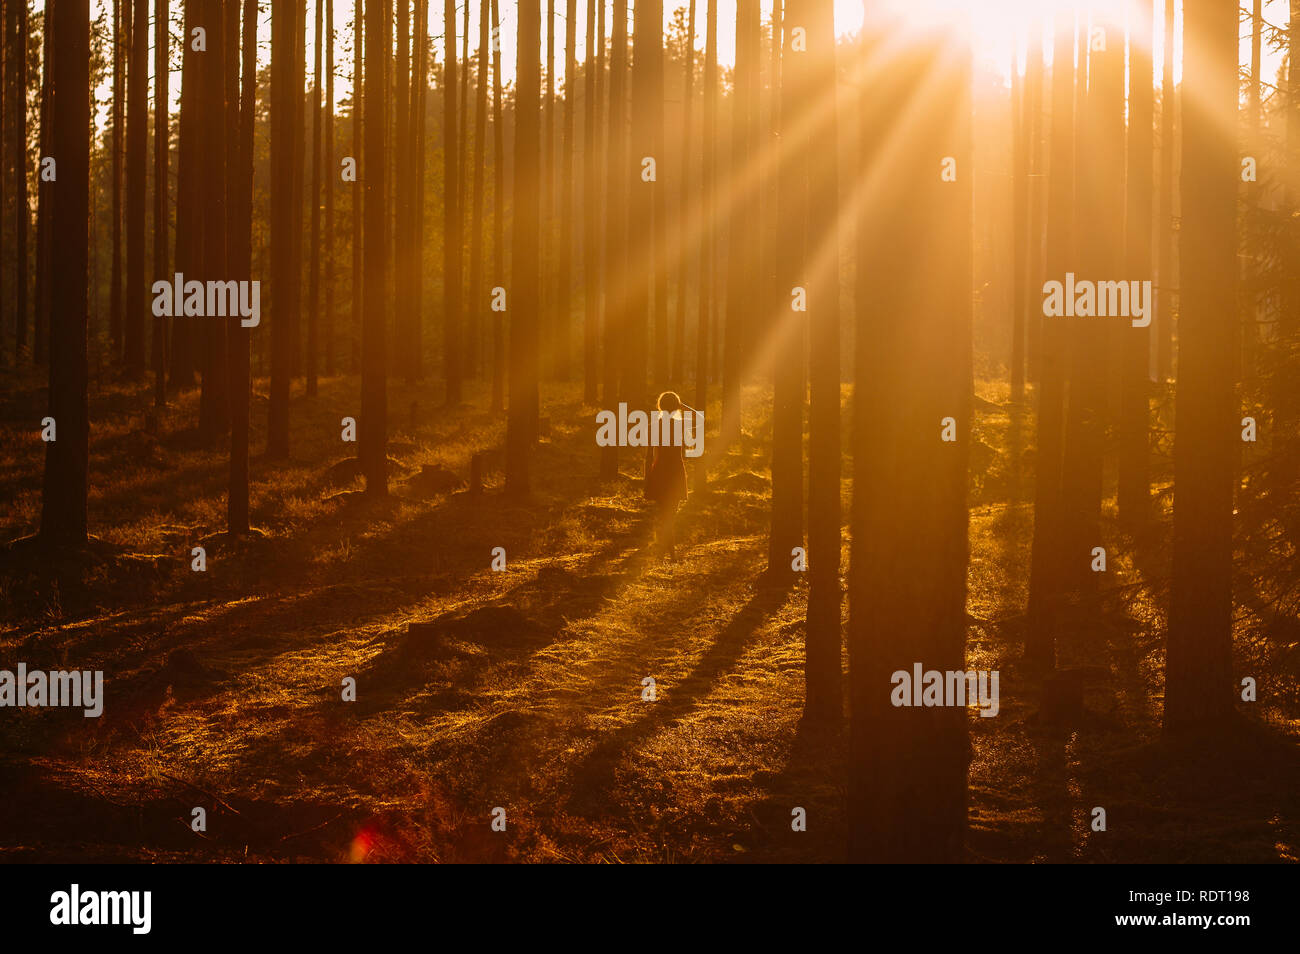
column 665, row 471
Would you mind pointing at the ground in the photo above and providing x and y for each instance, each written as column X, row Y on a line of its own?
column 523, row 689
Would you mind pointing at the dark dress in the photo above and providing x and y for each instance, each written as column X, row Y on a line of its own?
column 665, row 476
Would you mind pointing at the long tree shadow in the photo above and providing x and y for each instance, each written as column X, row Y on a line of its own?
column 593, row 779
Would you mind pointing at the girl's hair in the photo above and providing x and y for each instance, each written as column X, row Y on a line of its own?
column 669, row 401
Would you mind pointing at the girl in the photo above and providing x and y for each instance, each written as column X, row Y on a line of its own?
column 665, row 475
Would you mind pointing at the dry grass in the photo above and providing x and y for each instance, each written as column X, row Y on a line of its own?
column 524, row 688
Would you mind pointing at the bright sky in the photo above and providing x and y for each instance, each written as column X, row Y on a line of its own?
column 999, row 29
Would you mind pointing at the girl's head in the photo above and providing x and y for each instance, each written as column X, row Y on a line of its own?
column 669, row 401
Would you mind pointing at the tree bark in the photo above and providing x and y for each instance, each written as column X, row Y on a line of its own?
column 66, row 481
column 1198, row 678
column 521, row 424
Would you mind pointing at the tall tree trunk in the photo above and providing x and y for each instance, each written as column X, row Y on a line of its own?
column 44, row 243
column 1019, row 228
column 678, row 371
column 284, row 131
column 1198, row 679
column 824, row 698
column 590, row 218
column 1135, row 350
column 1048, row 555
column 564, row 259
column 404, row 327
column 373, row 424
column 66, row 483
column 708, row 244
column 521, row 424
column 214, row 398
column 241, row 268
column 790, row 285
column 1166, row 290
column 641, row 252
column 478, row 294
column 619, row 171
column 415, row 293
column 498, row 216
column 327, row 167
column 548, row 320
column 358, row 118
column 298, row 97
column 1100, row 190
column 161, row 144
column 120, row 34
column 907, row 588
column 742, row 261
column 313, row 293
column 19, row 59
column 452, row 241
column 1033, row 313
column 189, row 209
column 137, row 165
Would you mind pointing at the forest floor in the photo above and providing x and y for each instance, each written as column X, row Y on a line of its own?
column 224, row 688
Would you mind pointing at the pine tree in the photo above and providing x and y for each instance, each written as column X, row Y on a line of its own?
column 452, row 241
column 521, row 424
column 161, row 105
column 241, row 268
column 1198, row 678
column 66, row 484
column 824, row 634
column 373, row 423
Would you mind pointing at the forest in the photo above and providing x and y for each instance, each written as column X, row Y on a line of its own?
column 794, row 431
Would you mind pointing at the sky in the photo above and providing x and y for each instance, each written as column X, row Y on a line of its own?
column 998, row 29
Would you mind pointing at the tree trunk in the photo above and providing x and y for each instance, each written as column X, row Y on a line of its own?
column 790, row 284
column 313, row 293
column 137, row 164
column 328, row 173
column 19, row 67
column 373, row 424
column 591, row 218
column 161, row 140
column 478, row 295
column 824, row 639
column 120, row 31
column 283, row 277
column 358, row 118
column 1135, row 343
column 564, row 258
column 1167, row 289
column 678, row 373
column 742, row 260
column 708, row 244
column 1048, row 556
column 617, row 298
column 1198, row 679
column 66, row 481
column 641, row 252
column 907, row 778
column 1100, row 190
column 189, row 210
column 452, row 241
column 521, row 425
column 241, row 268
column 214, row 398
column 498, row 217
column 44, row 237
